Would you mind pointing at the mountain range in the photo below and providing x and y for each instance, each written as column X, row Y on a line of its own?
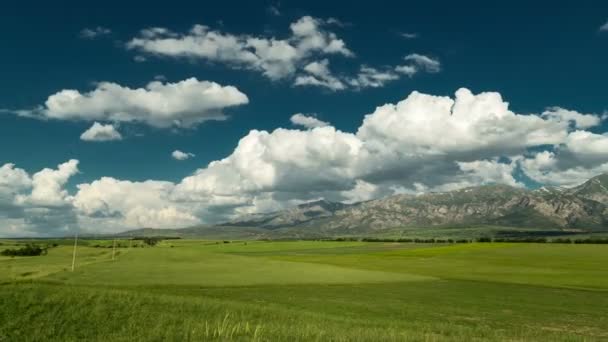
column 579, row 209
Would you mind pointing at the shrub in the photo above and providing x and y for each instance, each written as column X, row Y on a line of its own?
column 28, row 250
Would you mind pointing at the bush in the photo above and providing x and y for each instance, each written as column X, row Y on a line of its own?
column 28, row 250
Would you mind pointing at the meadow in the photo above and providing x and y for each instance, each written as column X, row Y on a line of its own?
column 193, row 290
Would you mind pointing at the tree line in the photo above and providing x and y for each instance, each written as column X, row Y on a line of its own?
column 27, row 250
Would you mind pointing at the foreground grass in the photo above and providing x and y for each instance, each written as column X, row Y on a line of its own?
column 305, row 291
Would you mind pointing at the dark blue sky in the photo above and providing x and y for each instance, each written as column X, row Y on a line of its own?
column 535, row 55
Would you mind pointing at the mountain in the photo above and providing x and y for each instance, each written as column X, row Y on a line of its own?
column 299, row 215
column 595, row 189
column 499, row 205
column 583, row 208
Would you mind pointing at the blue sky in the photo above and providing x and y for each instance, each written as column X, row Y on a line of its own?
column 534, row 56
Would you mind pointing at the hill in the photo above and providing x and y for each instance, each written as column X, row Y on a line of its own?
column 582, row 209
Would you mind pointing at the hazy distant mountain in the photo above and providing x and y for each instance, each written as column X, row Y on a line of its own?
column 584, row 207
column 301, row 214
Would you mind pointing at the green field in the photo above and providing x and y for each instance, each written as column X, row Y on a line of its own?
column 197, row 290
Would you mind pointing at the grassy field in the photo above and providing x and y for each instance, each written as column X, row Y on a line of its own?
column 196, row 290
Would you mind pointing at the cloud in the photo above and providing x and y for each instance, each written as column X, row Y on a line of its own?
column 95, row 32
column 274, row 58
column 604, row 27
column 580, row 156
column 407, row 70
column 302, row 57
column 131, row 204
column 163, row 105
column 47, row 186
column 179, row 155
column 100, row 132
column 274, row 10
column 423, row 62
column 13, row 181
column 307, row 121
column 422, row 143
column 319, row 75
column 408, row 35
column 369, row 77
column 37, row 204
column 437, row 125
column 578, row 120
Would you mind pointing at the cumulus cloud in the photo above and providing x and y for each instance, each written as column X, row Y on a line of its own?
column 13, row 181
column 181, row 104
column 47, row 186
column 131, row 204
column 94, row 32
column 179, row 155
column 100, row 132
column 604, row 27
column 307, row 121
column 422, row 143
column 37, row 204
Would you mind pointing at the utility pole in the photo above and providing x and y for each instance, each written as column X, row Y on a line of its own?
column 74, row 252
column 113, row 249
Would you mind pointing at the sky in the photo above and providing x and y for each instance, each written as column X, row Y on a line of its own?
column 117, row 116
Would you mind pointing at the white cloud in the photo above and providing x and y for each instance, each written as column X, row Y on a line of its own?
column 577, row 119
column 47, row 186
column 407, row 70
column 583, row 143
column 548, row 168
column 132, row 204
column 275, row 58
column 274, row 10
column 95, row 32
column 13, row 181
column 490, row 171
column 409, row 35
column 181, row 104
column 604, row 27
column 436, row 143
column 422, row 143
column 319, row 75
column 437, row 125
column 307, row 121
column 581, row 156
column 423, row 62
column 179, row 155
column 369, row 77
column 100, row 132
column 302, row 57
column 38, row 204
